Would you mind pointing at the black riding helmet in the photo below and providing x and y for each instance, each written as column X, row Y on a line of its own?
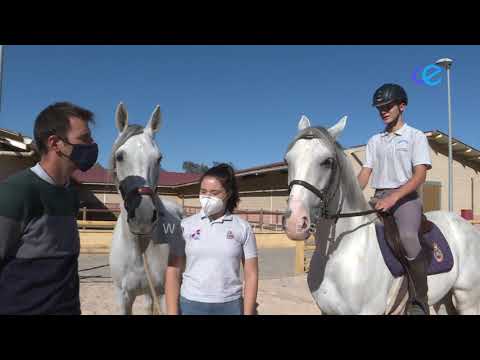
column 388, row 93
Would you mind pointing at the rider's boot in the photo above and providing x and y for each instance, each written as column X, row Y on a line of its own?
column 418, row 287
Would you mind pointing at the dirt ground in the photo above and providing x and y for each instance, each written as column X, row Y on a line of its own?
column 285, row 296
column 280, row 291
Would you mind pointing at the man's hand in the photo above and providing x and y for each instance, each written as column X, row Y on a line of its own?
column 387, row 203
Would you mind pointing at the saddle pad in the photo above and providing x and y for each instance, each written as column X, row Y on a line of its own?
column 442, row 258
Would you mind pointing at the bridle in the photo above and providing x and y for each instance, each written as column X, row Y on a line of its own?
column 325, row 195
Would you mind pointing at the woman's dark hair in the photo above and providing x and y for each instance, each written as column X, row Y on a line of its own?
column 226, row 175
column 55, row 120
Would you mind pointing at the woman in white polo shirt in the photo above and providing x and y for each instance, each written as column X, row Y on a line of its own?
column 215, row 242
column 398, row 159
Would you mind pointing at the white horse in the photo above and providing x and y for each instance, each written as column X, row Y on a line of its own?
column 348, row 274
column 146, row 224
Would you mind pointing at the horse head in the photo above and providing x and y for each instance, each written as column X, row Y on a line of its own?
column 313, row 176
column 135, row 162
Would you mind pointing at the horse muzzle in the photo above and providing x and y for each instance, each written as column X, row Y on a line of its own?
column 142, row 212
column 296, row 222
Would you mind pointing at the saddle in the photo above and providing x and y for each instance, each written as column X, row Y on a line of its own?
column 425, row 226
column 435, row 257
column 392, row 235
column 432, row 241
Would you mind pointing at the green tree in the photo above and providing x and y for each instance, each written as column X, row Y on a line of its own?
column 194, row 168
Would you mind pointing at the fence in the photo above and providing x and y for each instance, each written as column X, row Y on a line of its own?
column 86, row 223
column 262, row 220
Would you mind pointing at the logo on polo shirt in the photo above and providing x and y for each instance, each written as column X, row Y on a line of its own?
column 196, row 235
column 230, row 235
column 402, row 145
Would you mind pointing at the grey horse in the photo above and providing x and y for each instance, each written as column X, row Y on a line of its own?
column 347, row 272
column 146, row 224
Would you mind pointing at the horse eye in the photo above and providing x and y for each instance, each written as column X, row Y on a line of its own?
column 119, row 156
column 159, row 159
column 328, row 162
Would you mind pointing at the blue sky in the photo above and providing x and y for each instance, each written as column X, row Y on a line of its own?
column 237, row 103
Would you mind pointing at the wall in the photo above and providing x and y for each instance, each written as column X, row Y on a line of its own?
column 462, row 184
column 359, row 152
column 109, row 198
column 270, row 201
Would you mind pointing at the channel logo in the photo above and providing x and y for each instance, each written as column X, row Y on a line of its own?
column 430, row 75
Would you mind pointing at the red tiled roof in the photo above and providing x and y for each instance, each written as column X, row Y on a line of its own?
column 168, row 178
column 99, row 175
column 261, row 167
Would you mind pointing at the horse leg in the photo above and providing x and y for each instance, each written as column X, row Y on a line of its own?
column 149, row 308
column 163, row 304
column 445, row 306
column 125, row 299
column 467, row 302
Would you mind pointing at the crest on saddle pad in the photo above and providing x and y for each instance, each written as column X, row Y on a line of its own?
column 434, row 242
column 437, row 253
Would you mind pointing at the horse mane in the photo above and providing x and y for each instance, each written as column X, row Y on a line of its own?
column 129, row 132
column 317, row 132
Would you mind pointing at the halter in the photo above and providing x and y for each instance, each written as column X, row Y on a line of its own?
column 130, row 200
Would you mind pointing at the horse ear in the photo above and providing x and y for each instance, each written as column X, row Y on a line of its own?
column 337, row 129
column 121, row 117
column 155, row 121
column 303, row 123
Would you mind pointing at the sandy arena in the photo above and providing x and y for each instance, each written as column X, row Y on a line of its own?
column 280, row 291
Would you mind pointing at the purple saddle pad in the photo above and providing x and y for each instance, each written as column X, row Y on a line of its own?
column 442, row 258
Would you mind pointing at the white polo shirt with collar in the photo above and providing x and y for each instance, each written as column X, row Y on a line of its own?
column 392, row 156
column 214, row 251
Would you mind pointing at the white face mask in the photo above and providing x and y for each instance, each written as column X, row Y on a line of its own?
column 211, row 205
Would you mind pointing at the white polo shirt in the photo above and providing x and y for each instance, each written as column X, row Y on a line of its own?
column 392, row 156
column 214, row 251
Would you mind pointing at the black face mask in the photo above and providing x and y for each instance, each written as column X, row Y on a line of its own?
column 84, row 156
